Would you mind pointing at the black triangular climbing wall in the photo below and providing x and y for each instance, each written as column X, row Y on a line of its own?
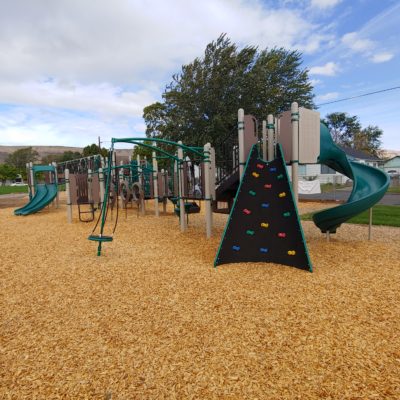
column 263, row 225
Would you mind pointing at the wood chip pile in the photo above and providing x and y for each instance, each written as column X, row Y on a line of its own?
column 152, row 318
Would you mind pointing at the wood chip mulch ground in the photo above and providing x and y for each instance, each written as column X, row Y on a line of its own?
column 152, row 318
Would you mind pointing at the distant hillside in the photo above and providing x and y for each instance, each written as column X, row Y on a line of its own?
column 47, row 150
column 386, row 154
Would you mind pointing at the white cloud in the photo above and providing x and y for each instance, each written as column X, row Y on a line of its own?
column 329, row 69
column 123, row 41
column 382, row 57
column 102, row 98
column 110, row 59
column 327, row 96
column 324, row 3
column 315, row 82
column 357, row 44
column 48, row 126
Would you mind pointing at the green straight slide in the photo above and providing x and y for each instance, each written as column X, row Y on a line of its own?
column 369, row 185
column 44, row 195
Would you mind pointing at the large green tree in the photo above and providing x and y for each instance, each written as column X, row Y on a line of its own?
column 343, row 127
column 94, row 149
column 65, row 156
column 7, row 172
column 201, row 102
column 369, row 140
column 19, row 158
column 347, row 130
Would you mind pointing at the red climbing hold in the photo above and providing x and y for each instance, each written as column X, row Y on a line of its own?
column 260, row 166
column 282, row 234
column 246, row 211
column 267, row 186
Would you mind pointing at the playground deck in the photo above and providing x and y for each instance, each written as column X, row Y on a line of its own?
column 152, row 318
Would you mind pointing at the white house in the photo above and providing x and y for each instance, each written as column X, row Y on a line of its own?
column 392, row 166
column 328, row 175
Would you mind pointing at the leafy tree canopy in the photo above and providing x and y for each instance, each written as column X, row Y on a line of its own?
column 347, row 131
column 94, row 149
column 19, row 158
column 200, row 104
column 65, row 156
column 143, row 152
column 7, row 172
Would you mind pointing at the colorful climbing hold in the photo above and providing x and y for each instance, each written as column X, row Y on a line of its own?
column 246, row 211
column 252, row 192
column 267, row 186
column 292, row 252
column 263, row 250
column 236, row 248
column 280, row 176
column 282, row 234
column 255, row 174
column 265, row 205
column 250, row 232
column 282, row 194
column 286, row 214
column 272, row 169
column 260, row 166
column 264, row 224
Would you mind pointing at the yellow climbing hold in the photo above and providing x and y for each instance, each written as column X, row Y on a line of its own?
column 292, row 252
column 264, row 225
column 255, row 174
column 282, row 194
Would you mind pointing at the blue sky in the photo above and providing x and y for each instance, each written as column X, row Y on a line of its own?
column 74, row 70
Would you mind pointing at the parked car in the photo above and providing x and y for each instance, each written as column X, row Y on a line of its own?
column 19, row 184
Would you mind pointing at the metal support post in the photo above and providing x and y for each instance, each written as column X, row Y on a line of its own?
column 271, row 132
column 242, row 161
column 68, row 190
column 207, row 182
column 155, row 182
column 264, row 140
column 181, row 200
column 295, row 151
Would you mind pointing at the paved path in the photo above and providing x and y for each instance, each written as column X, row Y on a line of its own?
column 13, row 200
column 389, row 199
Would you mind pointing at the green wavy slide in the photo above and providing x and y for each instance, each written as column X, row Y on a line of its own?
column 369, row 185
column 44, row 195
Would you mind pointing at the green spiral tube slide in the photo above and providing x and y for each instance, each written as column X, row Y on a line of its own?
column 369, row 185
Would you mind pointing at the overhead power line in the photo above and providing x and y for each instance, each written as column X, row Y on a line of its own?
column 358, row 96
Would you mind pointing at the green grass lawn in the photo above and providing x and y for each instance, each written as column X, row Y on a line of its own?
column 381, row 215
column 394, row 189
column 13, row 189
column 330, row 187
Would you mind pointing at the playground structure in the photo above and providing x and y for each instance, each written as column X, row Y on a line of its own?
column 180, row 188
column 295, row 137
column 228, row 181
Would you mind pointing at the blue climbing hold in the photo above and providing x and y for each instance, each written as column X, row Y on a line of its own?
column 263, row 250
column 236, row 248
column 272, row 169
column 265, row 205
